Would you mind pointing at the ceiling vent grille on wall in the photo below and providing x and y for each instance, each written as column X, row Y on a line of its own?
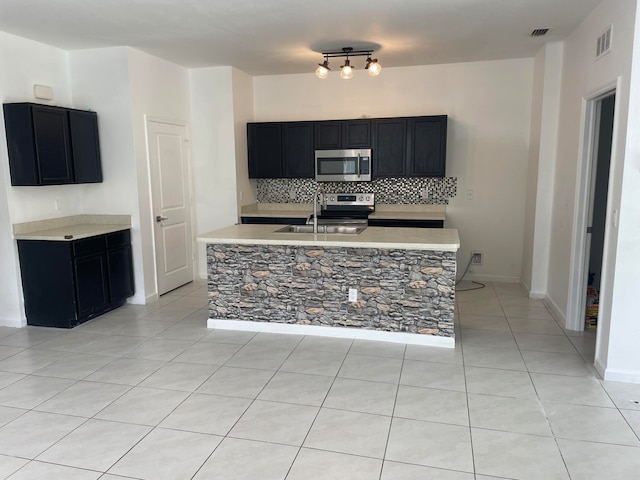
column 539, row 32
column 604, row 43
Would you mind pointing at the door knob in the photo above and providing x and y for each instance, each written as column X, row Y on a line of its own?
column 160, row 218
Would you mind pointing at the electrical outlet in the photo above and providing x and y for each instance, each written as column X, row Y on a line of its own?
column 57, row 204
column 292, row 194
column 353, row 294
column 424, row 193
column 477, row 258
column 470, row 195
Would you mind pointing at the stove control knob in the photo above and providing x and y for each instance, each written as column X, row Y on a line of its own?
column 332, row 198
column 361, row 198
column 368, row 198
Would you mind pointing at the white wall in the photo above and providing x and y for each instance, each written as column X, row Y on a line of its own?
column 123, row 85
column 582, row 77
column 100, row 81
column 242, row 114
column 159, row 90
column 25, row 63
column 213, row 152
column 489, row 108
column 540, row 175
column 621, row 357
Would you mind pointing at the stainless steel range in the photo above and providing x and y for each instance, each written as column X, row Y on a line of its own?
column 346, row 208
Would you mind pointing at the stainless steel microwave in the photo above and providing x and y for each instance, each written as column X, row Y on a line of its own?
column 343, row 165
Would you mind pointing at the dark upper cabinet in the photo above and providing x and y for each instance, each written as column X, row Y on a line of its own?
column 85, row 146
column 356, row 134
column 338, row 134
column 53, row 149
column 410, row 147
column 297, row 143
column 280, row 150
column 401, row 147
column 51, row 145
column 427, row 146
column 389, row 147
column 264, row 144
column 328, row 135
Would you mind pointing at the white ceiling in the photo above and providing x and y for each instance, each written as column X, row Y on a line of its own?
column 268, row 37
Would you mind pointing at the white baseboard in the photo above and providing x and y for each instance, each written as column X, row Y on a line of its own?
column 337, row 332
column 13, row 322
column 600, row 368
column 555, row 310
column 626, row 376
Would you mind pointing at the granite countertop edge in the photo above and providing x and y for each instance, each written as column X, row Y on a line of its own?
column 71, row 228
column 440, row 239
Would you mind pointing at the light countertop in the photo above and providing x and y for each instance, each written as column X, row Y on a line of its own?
column 442, row 239
column 71, row 228
column 383, row 211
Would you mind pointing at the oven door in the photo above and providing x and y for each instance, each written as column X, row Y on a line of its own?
column 343, row 165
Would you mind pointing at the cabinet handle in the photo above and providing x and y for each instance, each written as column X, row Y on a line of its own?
column 160, row 218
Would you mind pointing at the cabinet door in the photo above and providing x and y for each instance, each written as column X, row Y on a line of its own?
column 120, row 273
column 428, row 144
column 264, row 144
column 48, row 283
column 23, row 164
column 51, row 131
column 92, row 288
column 85, row 146
column 389, row 147
column 328, row 135
column 298, row 150
column 357, row 134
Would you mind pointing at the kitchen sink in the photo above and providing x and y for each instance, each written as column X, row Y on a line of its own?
column 325, row 229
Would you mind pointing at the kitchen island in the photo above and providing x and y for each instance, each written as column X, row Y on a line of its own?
column 260, row 279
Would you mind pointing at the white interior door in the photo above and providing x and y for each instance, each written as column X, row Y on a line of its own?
column 171, row 198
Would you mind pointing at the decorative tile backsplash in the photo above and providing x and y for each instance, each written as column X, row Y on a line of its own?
column 387, row 190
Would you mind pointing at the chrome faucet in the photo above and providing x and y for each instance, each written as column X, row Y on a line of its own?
column 316, row 197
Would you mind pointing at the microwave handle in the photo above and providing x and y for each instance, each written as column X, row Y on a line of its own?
column 359, row 169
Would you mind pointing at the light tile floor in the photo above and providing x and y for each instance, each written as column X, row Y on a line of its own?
column 148, row 392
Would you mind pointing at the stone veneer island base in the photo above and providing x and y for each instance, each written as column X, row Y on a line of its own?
column 262, row 280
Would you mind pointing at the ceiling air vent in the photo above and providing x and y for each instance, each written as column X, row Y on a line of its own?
column 604, row 43
column 539, row 32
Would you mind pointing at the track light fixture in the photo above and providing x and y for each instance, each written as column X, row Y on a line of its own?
column 346, row 70
column 323, row 69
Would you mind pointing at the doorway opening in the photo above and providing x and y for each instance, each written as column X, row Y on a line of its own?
column 589, row 259
column 597, row 216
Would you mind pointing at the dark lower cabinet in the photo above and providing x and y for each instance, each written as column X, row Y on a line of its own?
column 393, row 222
column 273, row 220
column 66, row 283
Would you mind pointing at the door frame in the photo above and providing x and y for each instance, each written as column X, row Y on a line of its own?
column 579, row 254
column 151, row 219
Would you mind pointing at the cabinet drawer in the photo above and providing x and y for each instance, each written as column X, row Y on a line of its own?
column 118, row 239
column 90, row 245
